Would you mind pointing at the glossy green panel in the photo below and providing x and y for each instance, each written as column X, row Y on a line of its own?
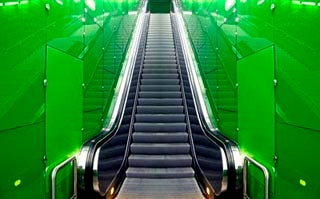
column 22, row 66
column 65, row 26
column 256, row 104
column 63, row 105
column 255, row 30
column 22, row 63
column 297, row 98
column 22, row 167
column 297, row 58
column 297, row 167
column 160, row 6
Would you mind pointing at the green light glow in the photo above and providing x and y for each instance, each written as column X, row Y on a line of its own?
column 260, row 2
column 303, row 183
column 11, row 3
column 307, row 3
column 229, row 4
column 17, row 182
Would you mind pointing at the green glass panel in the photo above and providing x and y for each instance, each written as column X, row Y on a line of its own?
column 63, row 104
column 160, row 6
column 297, row 151
column 22, row 167
column 297, row 98
column 255, row 29
column 22, row 68
column 65, row 26
column 257, row 105
column 297, row 58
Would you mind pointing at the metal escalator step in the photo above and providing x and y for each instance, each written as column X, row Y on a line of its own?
column 137, row 188
column 142, row 172
column 160, row 127
column 160, row 148
column 149, row 137
column 162, row 94
column 160, row 53
column 160, row 70
column 160, row 102
column 155, row 57
column 160, row 40
column 160, row 66
column 159, row 88
column 160, row 76
column 160, row 161
column 160, row 109
column 160, row 82
column 163, row 61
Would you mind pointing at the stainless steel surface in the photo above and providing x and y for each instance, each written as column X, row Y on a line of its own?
column 265, row 171
column 55, row 172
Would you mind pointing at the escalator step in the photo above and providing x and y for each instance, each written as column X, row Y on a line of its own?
column 142, row 172
column 160, row 102
column 160, row 161
column 160, row 82
column 162, row 94
column 160, row 127
column 160, row 88
column 160, row 109
column 163, row 61
column 160, row 148
column 160, row 66
column 149, row 137
column 160, row 70
column 160, row 76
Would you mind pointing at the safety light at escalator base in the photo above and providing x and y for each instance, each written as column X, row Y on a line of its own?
column 112, row 191
column 208, row 190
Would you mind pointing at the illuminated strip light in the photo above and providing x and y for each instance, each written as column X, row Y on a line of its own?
column 260, row 2
column 187, row 13
column 24, row 2
column 229, row 4
column 59, row 2
column 214, row 14
column 296, row 2
column 308, row 3
column 11, row 3
column 91, row 4
column 132, row 13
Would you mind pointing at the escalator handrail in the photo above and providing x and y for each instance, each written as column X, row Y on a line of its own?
column 89, row 149
column 117, row 179
column 198, row 171
column 231, row 149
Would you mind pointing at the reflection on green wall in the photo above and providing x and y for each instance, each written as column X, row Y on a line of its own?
column 96, row 34
column 232, row 30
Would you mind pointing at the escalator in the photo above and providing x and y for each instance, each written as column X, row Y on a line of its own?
column 160, row 149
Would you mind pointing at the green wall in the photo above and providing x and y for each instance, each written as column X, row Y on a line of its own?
column 160, row 6
column 59, row 64
column 268, row 102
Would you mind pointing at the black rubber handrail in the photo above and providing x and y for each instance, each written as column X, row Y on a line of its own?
column 89, row 149
column 120, row 176
column 215, row 136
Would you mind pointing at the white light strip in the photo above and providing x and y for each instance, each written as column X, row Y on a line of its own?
column 132, row 13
